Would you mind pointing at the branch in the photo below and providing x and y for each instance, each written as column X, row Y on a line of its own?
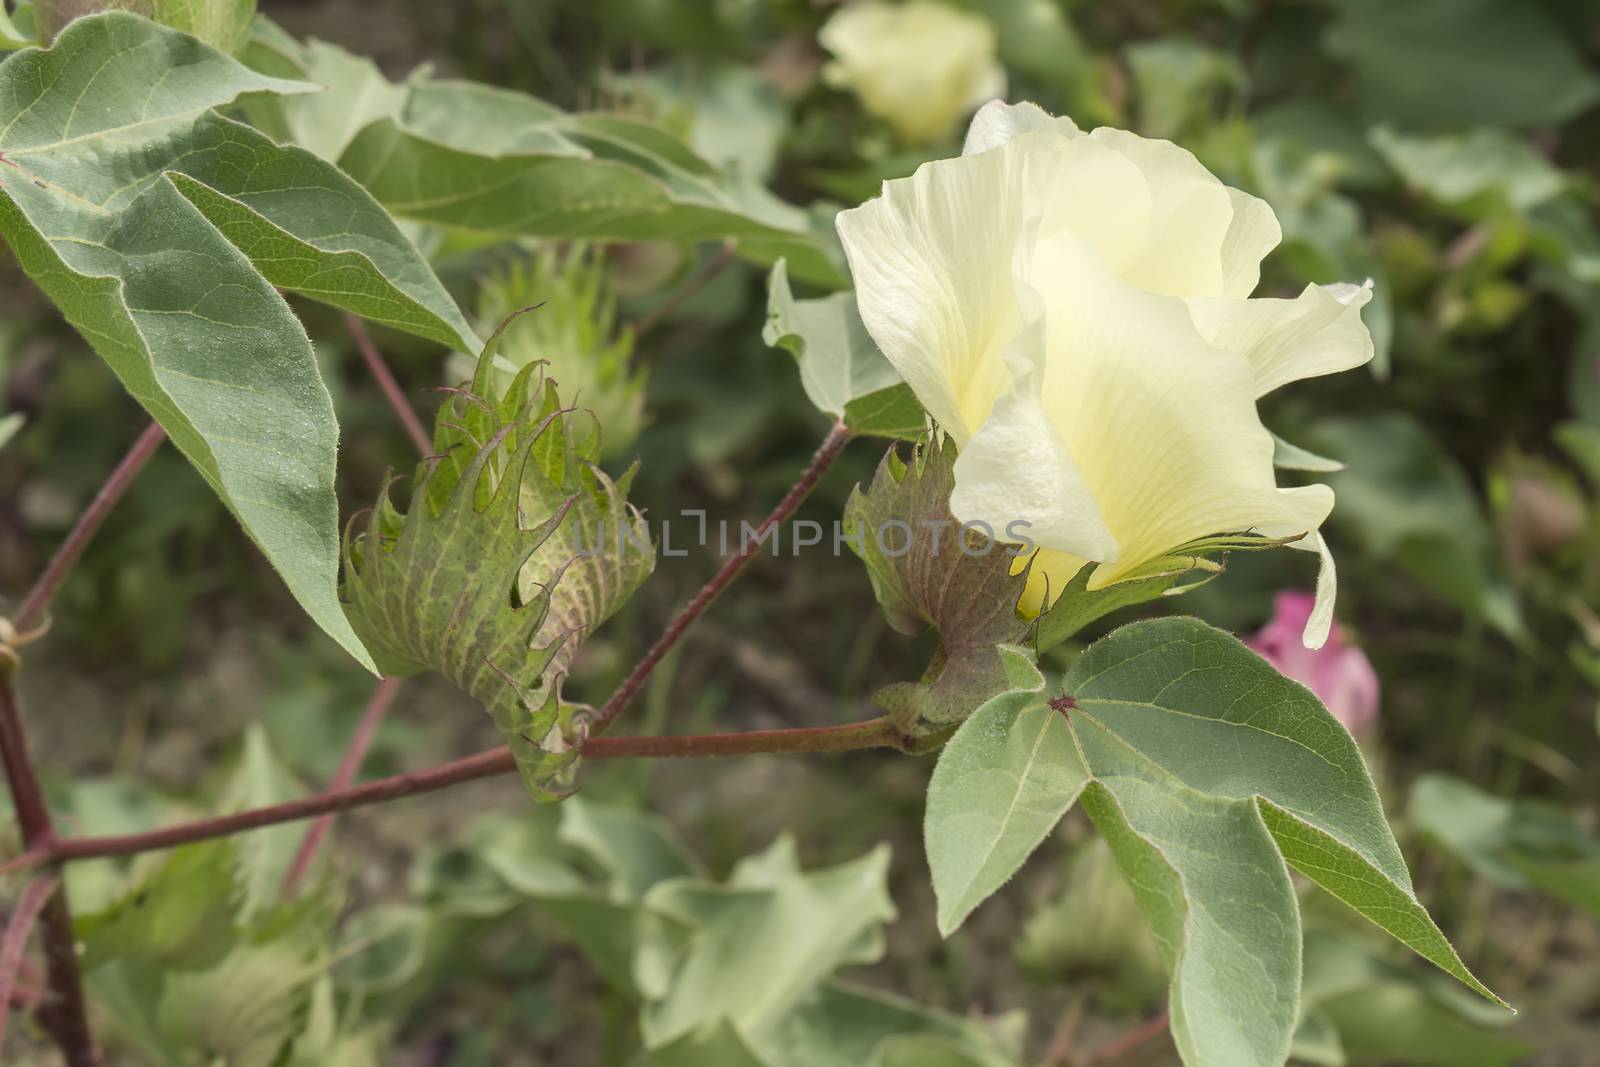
column 35, row 895
column 356, row 751
column 1125, row 1043
column 65, row 1016
column 873, row 733
column 391, row 388
column 662, row 311
column 55, row 572
column 826, row 453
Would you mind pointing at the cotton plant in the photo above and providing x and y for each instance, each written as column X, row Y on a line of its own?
column 1074, row 312
column 1056, row 330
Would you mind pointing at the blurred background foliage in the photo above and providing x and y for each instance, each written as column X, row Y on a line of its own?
column 1447, row 149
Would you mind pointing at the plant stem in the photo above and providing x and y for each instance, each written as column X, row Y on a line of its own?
column 386, row 381
column 873, row 733
column 366, row 730
column 37, row 602
column 64, row 1015
column 1126, row 1042
column 826, row 453
column 35, row 895
column 707, row 274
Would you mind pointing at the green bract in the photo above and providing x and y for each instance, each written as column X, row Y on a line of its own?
column 514, row 547
column 1210, row 775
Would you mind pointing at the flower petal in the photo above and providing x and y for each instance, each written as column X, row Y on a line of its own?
column 998, row 122
column 1192, row 213
column 1017, row 470
column 1320, row 623
column 1253, row 233
column 1318, row 332
column 931, row 258
column 1162, row 426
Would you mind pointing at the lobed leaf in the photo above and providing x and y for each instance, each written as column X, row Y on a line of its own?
column 163, row 230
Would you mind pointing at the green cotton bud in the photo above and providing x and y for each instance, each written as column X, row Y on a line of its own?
column 573, row 328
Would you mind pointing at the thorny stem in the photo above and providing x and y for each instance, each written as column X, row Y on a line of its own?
column 391, row 388
column 873, row 733
column 356, row 751
column 35, row 895
column 826, row 453
column 37, row 602
column 64, row 1014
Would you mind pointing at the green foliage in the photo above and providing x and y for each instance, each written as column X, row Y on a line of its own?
column 222, row 24
column 1517, row 844
column 516, row 545
column 160, row 228
column 1357, row 1006
column 740, row 971
column 841, row 369
column 1209, row 774
column 571, row 324
column 929, row 571
column 492, row 161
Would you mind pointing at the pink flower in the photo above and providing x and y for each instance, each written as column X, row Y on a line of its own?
column 1340, row 674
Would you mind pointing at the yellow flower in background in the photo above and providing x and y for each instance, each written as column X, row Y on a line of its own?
column 1074, row 311
column 922, row 66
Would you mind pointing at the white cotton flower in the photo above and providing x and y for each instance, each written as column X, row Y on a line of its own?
column 1074, row 310
column 923, row 66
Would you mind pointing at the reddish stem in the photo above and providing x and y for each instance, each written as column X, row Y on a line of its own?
column 1125, row 1043
column 37, row 602
column 65, row 1016
column 35, row 895
column 366, row 730
column 826, row 453
column 386, row 381
column 873, row 733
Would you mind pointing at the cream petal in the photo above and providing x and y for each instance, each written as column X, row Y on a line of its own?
column 1191, row 213
column 1253, row 232
column 931, row 258
column 1017, row 470
column 1162, row 426
column 998, row 122
column 1094, row 193
column 1320, row 624
column 1318, row 332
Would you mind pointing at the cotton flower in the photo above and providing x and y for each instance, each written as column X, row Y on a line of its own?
column 1074, row 311
column 1340, row 674
column 923, row 66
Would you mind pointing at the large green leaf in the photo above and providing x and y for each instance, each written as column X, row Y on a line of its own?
column 1210, row 774
column 840, row 364
column 1002, row 783
column 492, row 160
column 163, row 230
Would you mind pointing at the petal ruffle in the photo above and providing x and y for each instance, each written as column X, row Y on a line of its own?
column 1318, row 332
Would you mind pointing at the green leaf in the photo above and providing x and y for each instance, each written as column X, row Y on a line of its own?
column 765, row 940
column 495, row 161
column 1484, row 172
column 1486, row 63
column 1000, row 786
column 1209, row 774
column 839, row 362
column 516, row 545
column 16, row 28
column 895, row 413
column 1516, row 844
column 1222, row 910
column 928, row 571
column 162, row 230
column 264, row 856
column 635, row 850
